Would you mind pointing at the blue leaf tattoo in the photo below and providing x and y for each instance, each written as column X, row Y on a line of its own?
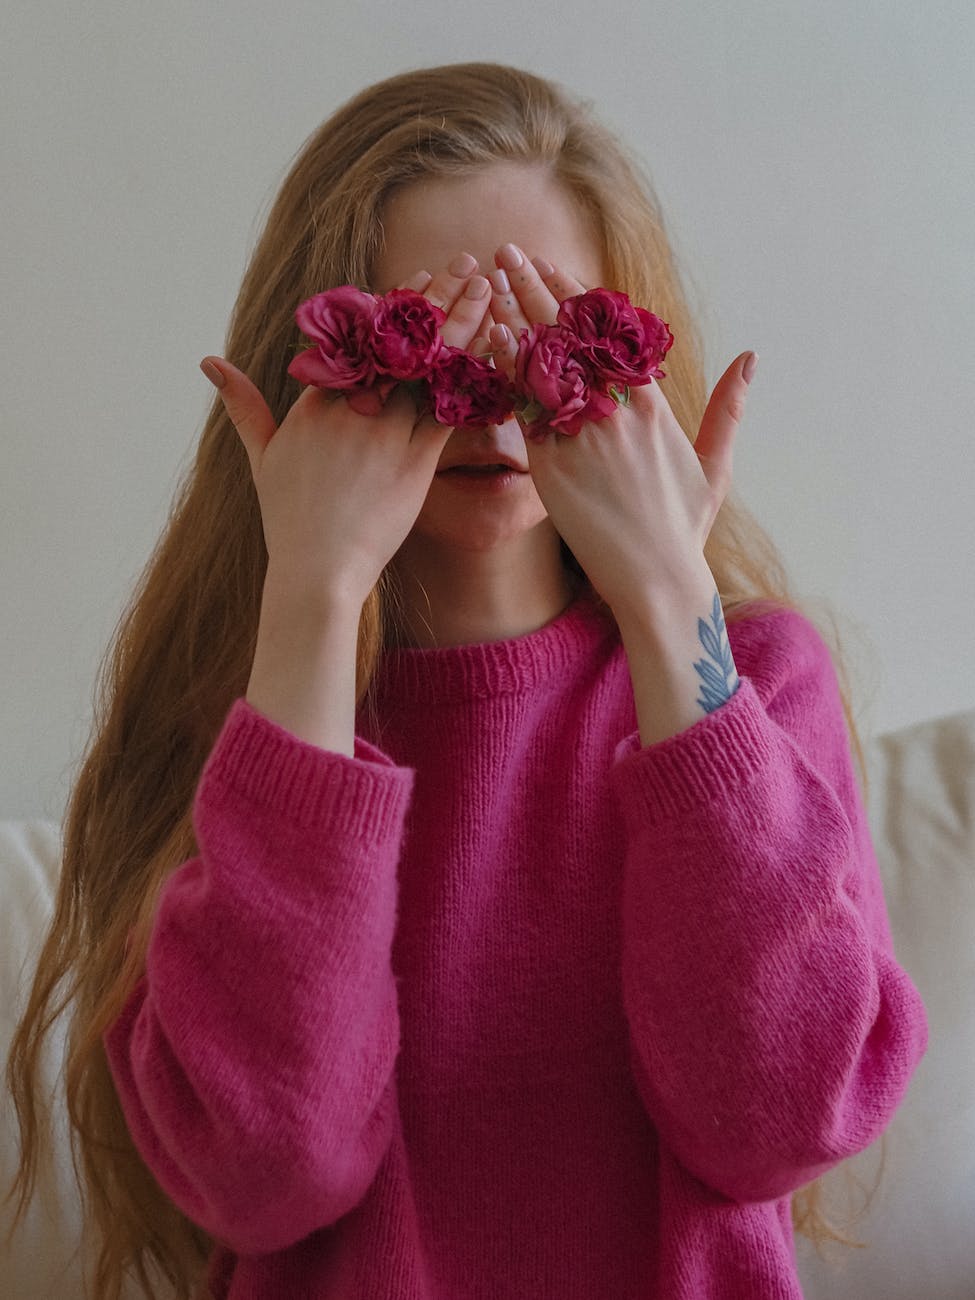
column 719, row 680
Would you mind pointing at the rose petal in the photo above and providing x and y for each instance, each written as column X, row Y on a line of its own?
column 311, row 368
column 327, row 314
column 467, row 393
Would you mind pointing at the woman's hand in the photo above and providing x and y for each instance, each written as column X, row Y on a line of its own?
column 340, row 491
column 631, row 496
column 635, row 501
column 465, row 294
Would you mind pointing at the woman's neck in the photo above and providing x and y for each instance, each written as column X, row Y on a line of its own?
column 456, row 597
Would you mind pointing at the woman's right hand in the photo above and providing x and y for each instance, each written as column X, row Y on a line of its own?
column 339, row 491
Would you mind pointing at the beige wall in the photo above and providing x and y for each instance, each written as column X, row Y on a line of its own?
column 816, row 164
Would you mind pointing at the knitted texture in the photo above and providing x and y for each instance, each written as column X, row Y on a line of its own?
column 509, row 1006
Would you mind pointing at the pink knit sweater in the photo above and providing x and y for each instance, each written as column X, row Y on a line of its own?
column 509, row 1007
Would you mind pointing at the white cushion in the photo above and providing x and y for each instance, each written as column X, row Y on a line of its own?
column 921, row 804
column 45, row 1259
column 40, row 1262
column 922, row 815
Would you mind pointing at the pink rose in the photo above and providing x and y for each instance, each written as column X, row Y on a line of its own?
column 406, row 338
column 468, row 393
column 340, row 322
column 624, row 344
column 552, row 373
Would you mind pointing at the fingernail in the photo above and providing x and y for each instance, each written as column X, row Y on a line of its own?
column 748, row 369
column 500, row 281
column 510, row 257
column 501, row 335
column 214, row 375
column 463, row 264
column 542, row 267
column 419, row 281
column 478, row 287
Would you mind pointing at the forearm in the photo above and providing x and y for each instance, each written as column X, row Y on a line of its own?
column 678, row 653
column 750, row 868
column 303, row 675
column 269, row 956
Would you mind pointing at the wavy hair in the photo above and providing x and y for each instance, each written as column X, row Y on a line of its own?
column 183, row 647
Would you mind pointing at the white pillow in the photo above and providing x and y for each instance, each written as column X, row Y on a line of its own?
column 921, row 805
column 43, row 1258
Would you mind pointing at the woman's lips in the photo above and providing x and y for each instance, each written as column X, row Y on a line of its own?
column 482, row 469
column 484, row 477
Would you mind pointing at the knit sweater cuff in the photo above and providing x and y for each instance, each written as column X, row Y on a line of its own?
column 676, row 776
column 360, row 796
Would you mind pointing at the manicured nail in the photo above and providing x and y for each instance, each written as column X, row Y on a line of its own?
column 214, row 375
column 419, row 281
column 748, row 369
column 542, row 267
column 477, row 287
column 463, row 264
column 500, row 281
column 501, row 336
column 510, row 257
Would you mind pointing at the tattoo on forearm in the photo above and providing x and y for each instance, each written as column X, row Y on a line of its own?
column 719, row 677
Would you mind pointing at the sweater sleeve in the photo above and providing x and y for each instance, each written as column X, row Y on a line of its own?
column 772, row 1032
column 254, row 1060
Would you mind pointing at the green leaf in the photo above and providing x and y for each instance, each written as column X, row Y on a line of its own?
column 530, row 412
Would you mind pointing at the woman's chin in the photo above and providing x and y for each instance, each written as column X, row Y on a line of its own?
column 469, row 518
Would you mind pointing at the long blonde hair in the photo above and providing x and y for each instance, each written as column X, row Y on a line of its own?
column 183, row 648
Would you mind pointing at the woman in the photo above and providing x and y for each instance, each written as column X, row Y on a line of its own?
column 429, row 934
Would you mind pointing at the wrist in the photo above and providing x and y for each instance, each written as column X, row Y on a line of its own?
column 678, row 654
column 303, row 675
column 652, row 610
column 290, row 594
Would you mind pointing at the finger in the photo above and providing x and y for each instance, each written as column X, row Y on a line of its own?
column 505, row 307
column 417, row 282
column 448, row 284
column 560, row 284
column 249, row 413
column 517, row 281
column 428, row 435
column 465, row 318
column 504, row 348
column 722, row 417
column 399, row 412
column 467, row 313
column 480, row 345
column 399, row 416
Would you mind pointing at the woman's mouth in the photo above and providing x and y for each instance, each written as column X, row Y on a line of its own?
column 496, row 477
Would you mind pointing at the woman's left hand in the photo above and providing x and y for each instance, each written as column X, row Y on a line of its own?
column 631, row 496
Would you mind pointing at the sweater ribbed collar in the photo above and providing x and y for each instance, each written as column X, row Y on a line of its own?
column 412, row 675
